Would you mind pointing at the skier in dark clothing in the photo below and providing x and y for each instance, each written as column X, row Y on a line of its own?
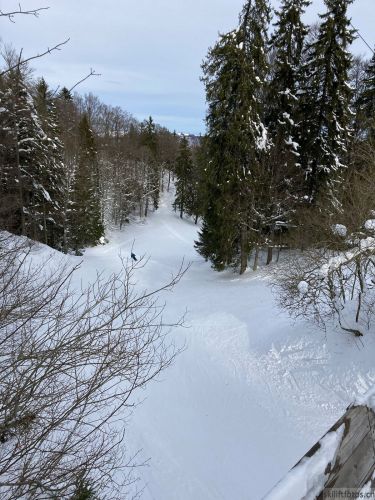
column 133, row 257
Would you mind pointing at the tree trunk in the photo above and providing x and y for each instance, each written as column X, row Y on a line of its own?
column 269, row 255
column 45, row 225
column 244, row 251
column 256, row 258
column 196, row 220
column 278, row 254
column 169, row 180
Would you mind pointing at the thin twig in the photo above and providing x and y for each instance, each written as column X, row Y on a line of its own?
column 33, row 12
column 92, row 73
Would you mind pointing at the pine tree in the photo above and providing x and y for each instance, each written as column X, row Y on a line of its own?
column 234, row 76
column 86, row 223
column 184, row 171
column 326, row 101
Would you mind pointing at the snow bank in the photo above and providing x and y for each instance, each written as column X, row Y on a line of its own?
column 307, row 479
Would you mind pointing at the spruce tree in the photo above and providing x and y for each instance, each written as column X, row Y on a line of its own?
column 150, row 141
column 367, row 100
column 54, row 178
column 25, row 173
column 68, row 120
column 86, row 223
column 198, row 196
column 284, row 110
column 326, row 101
column 283, row 177
column 234, row 77
column 184, row 172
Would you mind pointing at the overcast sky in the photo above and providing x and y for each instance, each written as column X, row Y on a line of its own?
column 149, row 52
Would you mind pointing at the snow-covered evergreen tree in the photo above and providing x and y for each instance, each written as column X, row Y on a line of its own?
column 326, row 101
column 234, row 76
column 55, row 180
column 152, row 173
column 184, row 171
column 284, row 111
column 86, row 223
column 26, row 171
column 367, row 99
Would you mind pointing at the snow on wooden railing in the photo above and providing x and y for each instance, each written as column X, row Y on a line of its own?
column 342, row 461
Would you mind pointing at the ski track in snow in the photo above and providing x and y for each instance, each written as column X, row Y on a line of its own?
column 252, row 391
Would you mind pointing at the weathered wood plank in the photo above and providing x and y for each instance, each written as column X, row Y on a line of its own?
column 354, row 461
column 359, row 424
column 354, row 472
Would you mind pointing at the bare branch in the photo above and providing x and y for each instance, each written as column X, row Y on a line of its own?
column 70, row 362
column 37, row 56
column 11, row 15
column 92, row 73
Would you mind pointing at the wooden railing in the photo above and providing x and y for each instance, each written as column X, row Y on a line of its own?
column 344, row 459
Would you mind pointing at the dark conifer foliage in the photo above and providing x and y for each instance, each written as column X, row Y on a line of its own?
column 184, row 200
column 150, row 142
column 326, row 99
column 284, row 114
column 29, row 169
column 367, row 100
column 54, row 176
column 86, row 220
column 234, row 76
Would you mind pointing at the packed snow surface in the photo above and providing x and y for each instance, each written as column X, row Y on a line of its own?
column 251, row 392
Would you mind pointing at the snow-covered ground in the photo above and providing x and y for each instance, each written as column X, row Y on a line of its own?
column 251, row 392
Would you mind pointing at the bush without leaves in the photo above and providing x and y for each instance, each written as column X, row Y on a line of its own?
column 70, row 362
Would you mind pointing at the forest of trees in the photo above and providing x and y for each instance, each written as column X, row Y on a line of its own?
column 287, row 162
column 289, row 117
column 71, row 165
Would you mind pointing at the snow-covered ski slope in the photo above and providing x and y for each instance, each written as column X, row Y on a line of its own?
column 252, row 391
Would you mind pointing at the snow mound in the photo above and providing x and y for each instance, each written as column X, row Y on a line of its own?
column 370, row 225
column 339, row 230
column 303, row 287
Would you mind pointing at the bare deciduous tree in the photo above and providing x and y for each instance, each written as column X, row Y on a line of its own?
column 69, row 365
